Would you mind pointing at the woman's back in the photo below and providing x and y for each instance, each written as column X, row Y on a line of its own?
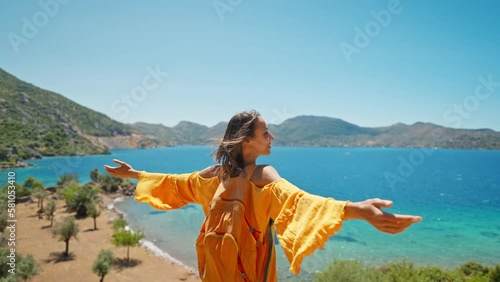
column 233, row 245
column 261, row 176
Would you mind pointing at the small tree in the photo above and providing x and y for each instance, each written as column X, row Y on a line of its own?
column 83, row 198
column 32, row 183
column 94, row 212
column 126, row 238
column 66, row 230
column 4, row 216
column 40, row 194
column 67, row 178
column 50, row 211
column 20, row 191
column 94, row 174
column 69, row 192
column 103, row 263
column 109, row 184
column 119, row 225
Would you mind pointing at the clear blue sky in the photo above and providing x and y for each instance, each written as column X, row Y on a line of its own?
column 371, row 63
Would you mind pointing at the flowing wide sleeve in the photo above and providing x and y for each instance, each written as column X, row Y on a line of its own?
column 303, row 221
column 171, row 191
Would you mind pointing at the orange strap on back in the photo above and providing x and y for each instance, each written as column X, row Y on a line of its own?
column 249, row 171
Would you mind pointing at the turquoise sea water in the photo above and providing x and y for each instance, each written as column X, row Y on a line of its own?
column 457, row 192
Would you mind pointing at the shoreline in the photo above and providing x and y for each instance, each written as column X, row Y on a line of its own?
column 147, row 244
column 34, row 236
column 22, row 164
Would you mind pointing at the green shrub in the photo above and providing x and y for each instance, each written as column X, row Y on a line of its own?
column 495, row 274
column 79, row 198
column 69, row 193
column 32, row 183
column 347, row 271
column 436, row 274
column 404, row 271
column 473, row 268
column 68, row 178
column 20, row 191
column 399, row 271
column 109, row 184
column 26, row 267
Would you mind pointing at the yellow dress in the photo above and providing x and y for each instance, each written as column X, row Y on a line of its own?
column 236, row 239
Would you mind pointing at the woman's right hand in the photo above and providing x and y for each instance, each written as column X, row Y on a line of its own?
column 123, row 171
column 371, row 211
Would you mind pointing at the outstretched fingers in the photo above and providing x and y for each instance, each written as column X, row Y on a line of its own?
column 392, row 229
column 406, row 218
column 119, row 162
column 396, row 223
column 113, row 169
column 122, row 164
column 124, row 170
column 379, row 203
column 385, row 221
column 401, row 218
column 110, row 170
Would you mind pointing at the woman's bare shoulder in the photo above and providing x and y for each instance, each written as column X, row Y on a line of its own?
column 211, row 171
column 264, row 174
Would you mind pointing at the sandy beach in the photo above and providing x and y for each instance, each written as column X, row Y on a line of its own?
column 34, row 237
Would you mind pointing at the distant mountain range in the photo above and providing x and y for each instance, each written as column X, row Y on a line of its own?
column 35, row 122
column 332, row 132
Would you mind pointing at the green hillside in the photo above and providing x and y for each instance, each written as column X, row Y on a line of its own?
column 324, row 131
column 184, row 133
column 36, row 122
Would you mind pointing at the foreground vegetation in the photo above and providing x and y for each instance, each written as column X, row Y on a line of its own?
column 82, row 201
column 405, row 271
